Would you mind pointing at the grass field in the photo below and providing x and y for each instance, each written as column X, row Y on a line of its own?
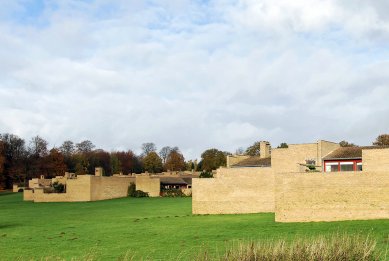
column 154, row 228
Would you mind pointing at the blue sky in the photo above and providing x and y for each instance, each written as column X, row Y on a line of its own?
column 194, row 74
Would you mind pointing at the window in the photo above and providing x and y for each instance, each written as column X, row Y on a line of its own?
column 347, row 166
column 343, row 165
column 359, row 166
column 332, row 166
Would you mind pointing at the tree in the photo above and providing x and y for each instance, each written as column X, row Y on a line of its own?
column 212, row 159
column 175, row 161
column 254, row 150
column 164, row 153
column 67, row 148
column 55, row 163
column 15, row 160
column 206, row 174
column 85, row 146
column 152, row 162
column 239, row 151
column 129, row 162
column 344, row 143
column 2, row 162
column 283, row 145
column 82, row 164
column 38, row 147
column 382, row 140
column 99, row 158
column 147, row 148
column 37, row 156
column 115, row 164
column 68, row 151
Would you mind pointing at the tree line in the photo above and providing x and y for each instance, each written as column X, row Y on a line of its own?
column 21, row 161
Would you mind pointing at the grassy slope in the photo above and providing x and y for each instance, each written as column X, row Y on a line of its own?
column 158, row 228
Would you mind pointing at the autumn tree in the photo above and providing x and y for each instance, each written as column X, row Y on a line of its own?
column 152, row 162
column 129, row 162
column 382, row 140
column 175, row 161
column 344, row 143
column 14, row 156
column 55, row 163
column 212, row 159
column 254, row 150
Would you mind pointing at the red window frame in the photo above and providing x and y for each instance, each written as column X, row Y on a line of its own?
column 354, row 161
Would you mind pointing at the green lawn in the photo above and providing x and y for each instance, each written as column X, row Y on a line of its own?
column 156, row 228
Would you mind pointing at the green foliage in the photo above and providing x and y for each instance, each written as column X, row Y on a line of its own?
column 206, row 174
column 132, row 192
column 152, row 163
column 212, row 159
column 82, row 164
column 115, row 164
column 344, row 143
column 58, row 187
column 254, row 150
column 173, row 193
column 283, row 145
column 382, row 140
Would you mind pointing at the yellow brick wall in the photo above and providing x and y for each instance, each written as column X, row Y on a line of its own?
column 326, row 147
column 85, row 188
column 233, row 159
column 288, row 159
column 375, row 160
column 149, row 185
column 28, row 195
column 109, row 187
column 243, row 190
column 304, row 197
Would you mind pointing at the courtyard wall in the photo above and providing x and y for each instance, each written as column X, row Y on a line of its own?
column 304, row 197
column 148, row 184
column 233, row 191
column 375, row 159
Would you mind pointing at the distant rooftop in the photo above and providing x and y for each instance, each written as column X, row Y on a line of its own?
column 351, row 152
column 254, row 161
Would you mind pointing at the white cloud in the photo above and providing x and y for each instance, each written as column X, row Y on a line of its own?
column 222, row 74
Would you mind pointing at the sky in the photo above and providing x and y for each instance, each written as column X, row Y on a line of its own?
column 194, row 74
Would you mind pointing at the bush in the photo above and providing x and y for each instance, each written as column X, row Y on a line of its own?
column 206, row 174
column 173, row 193
column 132, row 192
column 58, row 187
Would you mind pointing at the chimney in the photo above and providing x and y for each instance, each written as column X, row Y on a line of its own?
column 98, row 172
column 264, row 147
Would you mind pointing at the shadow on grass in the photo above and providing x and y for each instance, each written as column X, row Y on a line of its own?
column 11, row 225
column 4, row 193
